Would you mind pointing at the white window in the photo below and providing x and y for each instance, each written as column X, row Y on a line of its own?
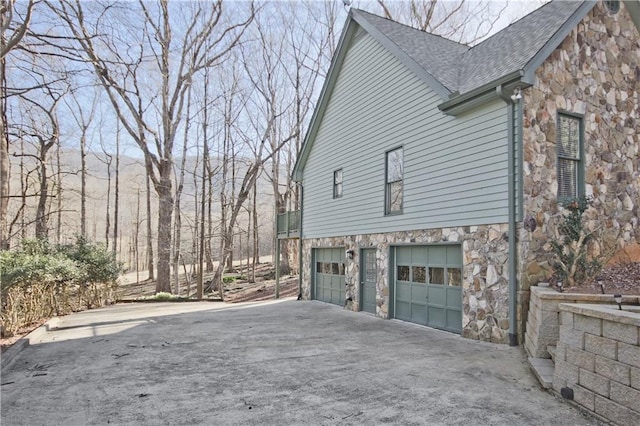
column 394, row 181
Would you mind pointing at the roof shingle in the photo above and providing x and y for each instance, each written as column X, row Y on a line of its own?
column 461, row 68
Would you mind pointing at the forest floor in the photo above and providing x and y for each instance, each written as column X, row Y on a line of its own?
column 237, row 287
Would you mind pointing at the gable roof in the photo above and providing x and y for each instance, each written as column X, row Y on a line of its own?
column 514, row 47
column 459, row 74
column 439, row 56
column 461, row 68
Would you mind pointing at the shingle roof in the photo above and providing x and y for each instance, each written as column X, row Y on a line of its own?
column 461, row 68
column 437, row 55
column 512, row 48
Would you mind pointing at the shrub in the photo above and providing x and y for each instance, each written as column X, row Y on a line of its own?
column 163, row 296
column 571, row 263
column 39, row 280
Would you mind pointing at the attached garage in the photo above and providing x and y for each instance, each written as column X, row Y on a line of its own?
column 328, row 275
column 428, row 286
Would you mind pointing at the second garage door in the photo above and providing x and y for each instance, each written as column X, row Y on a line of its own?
column 428, row 286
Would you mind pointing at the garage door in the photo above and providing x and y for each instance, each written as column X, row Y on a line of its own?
column 328, row 279
column 428, row 286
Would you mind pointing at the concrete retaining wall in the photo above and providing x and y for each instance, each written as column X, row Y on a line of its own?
column 543, row 324
column 598, row 359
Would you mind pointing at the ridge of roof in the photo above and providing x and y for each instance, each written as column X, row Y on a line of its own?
column 513, row 47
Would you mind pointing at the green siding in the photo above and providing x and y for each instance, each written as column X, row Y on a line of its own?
column 455, row 168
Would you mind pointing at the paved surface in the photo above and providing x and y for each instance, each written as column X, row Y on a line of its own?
column 284, row 362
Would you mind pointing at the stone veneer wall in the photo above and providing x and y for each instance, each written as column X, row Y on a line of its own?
column 543, row 321
column 598, row 357
column 595, row 72
column 485, row 293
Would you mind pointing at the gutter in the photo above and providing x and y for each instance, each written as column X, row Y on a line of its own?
column 458, row 104
column 513, row 282
column 300, row 263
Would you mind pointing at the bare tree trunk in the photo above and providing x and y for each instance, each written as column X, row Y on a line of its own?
column 208, row 247
column 107, row 218
column 42, row 229
column 205, row 154
column 177, row 213
column 150, row 265
column 116, row 201
column 58, row 195
column 4, row 165
column 256, row 234
column 83, row 187
column 165, row 210
column 23, row 192
column 136, row 239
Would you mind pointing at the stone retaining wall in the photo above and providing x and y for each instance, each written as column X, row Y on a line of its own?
column 543, row 323
column 598, row 358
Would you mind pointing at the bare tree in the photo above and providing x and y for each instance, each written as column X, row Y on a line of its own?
column 44, row 129
column 11, row 33
column 83, row 116
column 205, row 41
column 465, row 21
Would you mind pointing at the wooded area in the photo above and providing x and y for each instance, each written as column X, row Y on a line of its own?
column 168, row 130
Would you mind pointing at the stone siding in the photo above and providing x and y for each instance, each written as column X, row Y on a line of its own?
column 485, row 292
column 598, row 357
column 594, row 73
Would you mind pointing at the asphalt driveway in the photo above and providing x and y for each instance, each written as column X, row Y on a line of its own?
column 286, row 362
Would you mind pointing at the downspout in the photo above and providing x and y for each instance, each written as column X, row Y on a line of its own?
column 300, row 263
column 513, row 282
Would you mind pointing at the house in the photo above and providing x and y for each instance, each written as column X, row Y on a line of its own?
column 432, row 173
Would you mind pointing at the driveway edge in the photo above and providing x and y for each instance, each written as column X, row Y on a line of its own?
column 9, row 356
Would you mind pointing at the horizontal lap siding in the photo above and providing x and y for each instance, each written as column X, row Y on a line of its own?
column 455, row 168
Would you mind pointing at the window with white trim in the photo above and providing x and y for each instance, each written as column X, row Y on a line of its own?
column 394, row 177
column 337, row 184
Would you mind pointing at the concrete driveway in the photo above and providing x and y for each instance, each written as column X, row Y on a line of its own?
column 285, row 362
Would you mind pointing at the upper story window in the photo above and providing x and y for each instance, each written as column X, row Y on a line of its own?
column 570, row 164
column 394, row 181
column 337, row 184
column 613, row 6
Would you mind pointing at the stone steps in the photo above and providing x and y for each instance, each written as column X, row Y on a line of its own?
column 552, row 351
column 543, row 369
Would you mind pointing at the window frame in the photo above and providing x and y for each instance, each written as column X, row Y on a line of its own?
column 388, row 184
column 337, row 184
column 578, row 161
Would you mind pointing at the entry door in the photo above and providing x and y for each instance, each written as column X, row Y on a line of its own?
column 368, row 278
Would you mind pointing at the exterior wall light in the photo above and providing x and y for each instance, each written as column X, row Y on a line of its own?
column 517, row 95
column 618, row 299
column 350, row 254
